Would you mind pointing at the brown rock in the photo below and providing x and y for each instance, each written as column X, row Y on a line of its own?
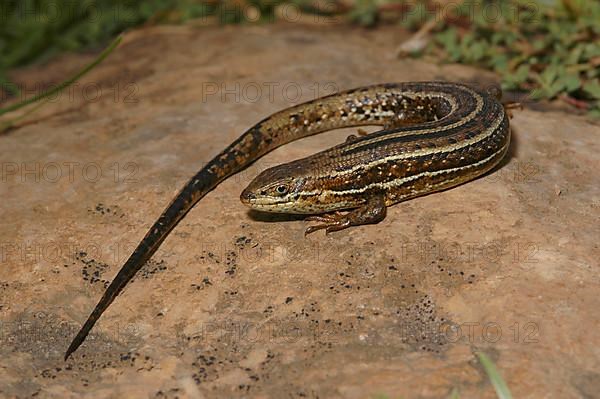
column 503, row 264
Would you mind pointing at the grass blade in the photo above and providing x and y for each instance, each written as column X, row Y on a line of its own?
column 11, row 122
column 66, row 83
column 495, row 377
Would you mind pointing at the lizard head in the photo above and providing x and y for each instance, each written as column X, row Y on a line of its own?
column 277, row 189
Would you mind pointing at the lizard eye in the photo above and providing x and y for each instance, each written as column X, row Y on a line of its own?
column 281, row 189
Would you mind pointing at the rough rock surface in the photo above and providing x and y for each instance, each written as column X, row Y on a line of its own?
column 235, row 305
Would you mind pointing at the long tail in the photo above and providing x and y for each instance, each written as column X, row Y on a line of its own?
column 237, row 156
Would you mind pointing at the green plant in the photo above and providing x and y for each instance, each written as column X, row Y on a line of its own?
column 549, row 49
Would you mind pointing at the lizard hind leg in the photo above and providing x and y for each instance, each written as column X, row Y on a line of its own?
column 373, row 211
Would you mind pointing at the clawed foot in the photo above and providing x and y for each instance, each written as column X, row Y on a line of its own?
column 373, row 211
column 331, row 222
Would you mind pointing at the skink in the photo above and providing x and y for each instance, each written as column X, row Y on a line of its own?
column 436, row 135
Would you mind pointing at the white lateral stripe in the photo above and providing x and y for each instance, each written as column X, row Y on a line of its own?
column 419, row 153
column 399, row 182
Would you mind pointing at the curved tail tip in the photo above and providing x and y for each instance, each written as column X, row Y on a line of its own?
column 76, row 343
column 69, row 352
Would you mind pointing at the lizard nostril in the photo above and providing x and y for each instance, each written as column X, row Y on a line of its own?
column 247, row 195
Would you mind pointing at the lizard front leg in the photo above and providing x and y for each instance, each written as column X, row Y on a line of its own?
column 373, row 211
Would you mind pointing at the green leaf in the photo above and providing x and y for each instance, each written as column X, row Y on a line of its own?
column 477, row 51
column 449, row 41
column 593, row 89
column 499, row 62
column 570, row 82
column 574, row 56
column 517, row 78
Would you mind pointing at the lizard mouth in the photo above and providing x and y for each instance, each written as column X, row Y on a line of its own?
column 250, row 199
column 263, row 204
